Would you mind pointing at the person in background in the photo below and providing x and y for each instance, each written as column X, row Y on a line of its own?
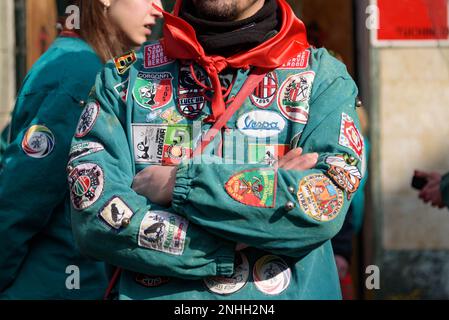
column 435, row 188
column 38, row 255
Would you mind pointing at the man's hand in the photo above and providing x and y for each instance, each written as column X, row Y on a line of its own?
column 156, row 183
column 295, row 160
column 431, row 191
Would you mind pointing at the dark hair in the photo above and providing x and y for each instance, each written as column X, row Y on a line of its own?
column 95, row 28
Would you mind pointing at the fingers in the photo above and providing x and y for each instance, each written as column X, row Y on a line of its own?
column 301, row 163
column 289, row 156
column 421, row 174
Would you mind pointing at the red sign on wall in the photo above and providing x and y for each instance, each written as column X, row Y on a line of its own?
column 412, row 21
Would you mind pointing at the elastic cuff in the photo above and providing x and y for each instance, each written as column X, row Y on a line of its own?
column 444, row 188
column 225, row 262
column 182, row 187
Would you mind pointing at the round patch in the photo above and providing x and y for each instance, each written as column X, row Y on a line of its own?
column 232, row 284
column 38, row 142
column 86, row 183
column 294, row 96
column 271, row 275
column 320, row 198
column 265, row 93
column 87, row 119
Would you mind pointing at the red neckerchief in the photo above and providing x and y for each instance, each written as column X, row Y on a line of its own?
column 180, row 42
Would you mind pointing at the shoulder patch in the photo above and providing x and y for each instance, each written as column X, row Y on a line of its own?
column 344, row 172
column 154, row 56
column 38, row 142
column 153, row 90
column 123, row 63
column 301, row 61
column 350, row 136
column 265, row 92
column 87, row 119
column 84, row 149
column 86, row 182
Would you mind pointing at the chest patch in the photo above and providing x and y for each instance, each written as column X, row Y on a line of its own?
column 153, row 90
column 261, row 124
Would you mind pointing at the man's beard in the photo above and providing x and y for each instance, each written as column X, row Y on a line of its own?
column 218, row 10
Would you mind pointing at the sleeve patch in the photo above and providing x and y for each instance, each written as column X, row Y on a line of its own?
column 84, row 149
column 38, row 142
column 350, row 136
column 163, row 231
column 116, row 213
column 319, row 198
column 344, row 172
column 86, row 182
column 87, row 119
column 255, row 188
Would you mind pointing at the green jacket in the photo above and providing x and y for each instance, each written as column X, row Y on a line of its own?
column 142, row 112
column 37, row 251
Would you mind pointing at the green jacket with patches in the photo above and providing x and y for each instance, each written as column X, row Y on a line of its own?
column 148, row 110
column 38, row 255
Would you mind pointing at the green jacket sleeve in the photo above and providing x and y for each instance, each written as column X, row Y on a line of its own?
column 32, row 175
column 113, row 223
column 283, row 212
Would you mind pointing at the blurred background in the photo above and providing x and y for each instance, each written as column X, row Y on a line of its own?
column 398, row 53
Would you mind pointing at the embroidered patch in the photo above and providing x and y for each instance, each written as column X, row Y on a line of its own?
column 114, row 212
column 234, row 283
column 350, row 136
column 295, row 141
column 161, row 144
column 256, row 188
column 320, row 198
column 301, row 61
column 265, row 93
column 266, row 154
column 171, row 116
column 84, row 149
column 163, row 231
column 151, row 281
column 122, row 90
column 154, row 56
column 86, row 183
column 344, row 172
column 192, row 96
column 123, row 63
column 87, row 119
column 294, row 96
column 153, row 90
column 261, row 124
column 38, row 142
column 271, row 275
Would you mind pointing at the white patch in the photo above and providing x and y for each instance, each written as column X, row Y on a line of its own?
column 83, row 149
column 163, row 231
column 148, row 142
column 261, row 124
column 87, row 119
column 114, row 212
column 86, row 183
column 294, row 96
column 38, row 142
column 350, row 136
column 271, row 275
column 232, row 284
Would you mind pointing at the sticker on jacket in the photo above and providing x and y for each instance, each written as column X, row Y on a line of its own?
column 267, row 154
column 265, row 93
column 271, row 275
column 151, row 281
column 84, row 149
column 171, row 116
column 234, row 283
column 122, row 90
column 114, row 212
column 161, row 144
column 163, row 231
column 123, row 63
column 86, row 183
column 294, row 96
column 87, row 120
column 261, row 124
column 38, row 142
column 344, row 172
column 255, row 188
column 350, row 136
column 191, row 92
column 301, row 61
column 153, row 90
column 154, row 56
column 319, row 197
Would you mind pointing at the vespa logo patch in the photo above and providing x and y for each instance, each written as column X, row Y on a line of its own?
column 38, row 142
column 163, row 231
column 261, row 124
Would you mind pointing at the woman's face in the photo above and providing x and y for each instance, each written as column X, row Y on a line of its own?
column 134, row 18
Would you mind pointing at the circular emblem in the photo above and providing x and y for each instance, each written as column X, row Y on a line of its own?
column 271, row 275
column 153, row 90
column 229, row 285
column 86, row 183
column 264, row 94
column 294, row 95
column 87, row 119
column 38, row 142
column 320, row 198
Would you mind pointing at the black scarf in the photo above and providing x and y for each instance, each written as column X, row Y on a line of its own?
column 228, row 38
